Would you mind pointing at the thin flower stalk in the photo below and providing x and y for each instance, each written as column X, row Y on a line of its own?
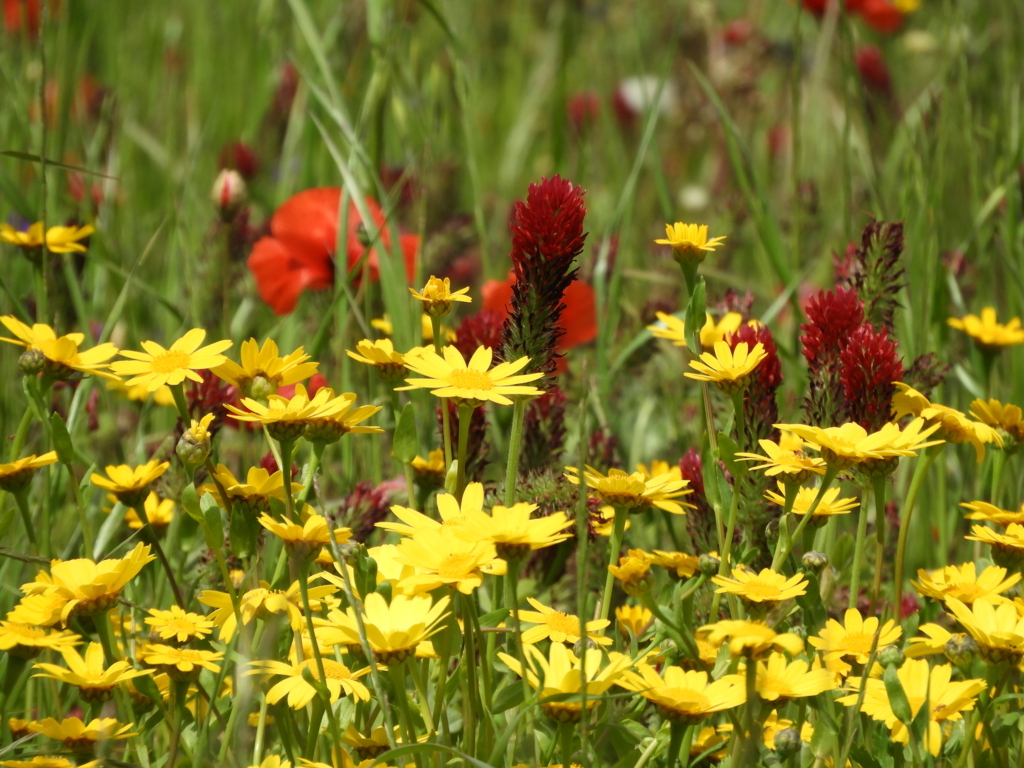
column 782, row 550
column 924, row 462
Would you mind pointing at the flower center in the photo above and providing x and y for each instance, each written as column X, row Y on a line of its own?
column 965, row 591
column 759, row 590
column 332, row 669
column 564, row 623
column 171, row 361
column 467, row 379
column 858, row 643
column 456, row 566
column 684, row 700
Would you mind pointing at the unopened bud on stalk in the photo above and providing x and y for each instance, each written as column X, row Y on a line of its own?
column 709, row 564
column 771, row 531
column 194, row 446
column 787, row 742
column 31, row 362
column 891, row 656
column 228, row 192
column 815, row 561
column 961, row 649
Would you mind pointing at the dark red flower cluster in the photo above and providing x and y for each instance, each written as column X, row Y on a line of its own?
column 868, row 365
column 299, row 254
column 547, row 236
column 832, row 316
column 872, row 68
column 480, row 330
column 365, row 506
column 700, row 522
column 881, row 15
column 213, row 395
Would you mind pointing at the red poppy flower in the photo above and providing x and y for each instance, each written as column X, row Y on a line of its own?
column 579, row 319
column 299, row 254
column 882, row 16
column 22, row 12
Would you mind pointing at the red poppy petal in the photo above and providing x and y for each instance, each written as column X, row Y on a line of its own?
column 882, row 16
column 283, row 270
column 579, row 318
column 497, row 295
column 311, row 216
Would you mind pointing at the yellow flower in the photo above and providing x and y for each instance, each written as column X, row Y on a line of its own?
column 393, row 629
column 444, row 560
column 774, row 724
column 768, row 586
column 140, row 394
column 963, row 583
column 634, row 572
column 794, row 466
column 383, row 324
column 37, row 610
column 261, row 603
column 89, row 587
column 77, row 735
column 130, row 484
column 946, row 699
column 998, row 629
column 40, row 761
column 340, row 679
column 158, row 366
column 934, row 641
column 255, row 493
column 853, row 639
column 305, row 538
column 178, row 625
column 94, row 681
column 750, row 638
column 982, row 510
column 850, row 443
column 559, row 627
column 712, row 743
column 561, row 672
column 437, row 296
column 683, row 564
column 262, row 371
column 779, row 680
column 179, row 663
column 26, row 642
column 375, row 744
column 512, row 530
column 331, row 428
column 61, row 357
column 17, row 474
column 830, row 504
column 633, row 618
column 431, row 470
column 727, row 367
column 1009, row 418
column 682, row 696
column 987, row 332
column 690, row 241
column 472, row 383
column 159, row 512
column 58, row 239
column 1007, row 547
column 453, row 514
column 635, row 490
column 674, row 329
column 390, row 365
column 954, row 426
column 287, row 418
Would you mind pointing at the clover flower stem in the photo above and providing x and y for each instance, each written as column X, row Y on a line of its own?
column 724, row 564
column 614, row 545
column 515, row 446
column 26, row 518
column 517, row 627
column 782, row 553
column 465, row 417
column 680, row 739
column 565, row 741
column 920, row 470
column 878, row 484
column 858, row 550
column 396, row 671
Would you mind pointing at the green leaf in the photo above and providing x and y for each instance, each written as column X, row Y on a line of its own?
column 696, row 315
column 406, row 444
column 37, row 159
column 213, row 526
column 190, row 503
column 897, row 696
column 415, row 749
column 61, row 439
column 508, row 697
column 494, row 618
column 863, row 757
column 727, row 450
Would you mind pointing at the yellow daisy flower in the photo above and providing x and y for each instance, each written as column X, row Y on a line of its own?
column 512, row 530
column 1009, row 418
column 684, row 565
column 562, row 672
column 287, row 418
column 768, row 586
column 982, row 510
column 998, row 629
column 58, row 239
column 141, row 394
column 445, row 560
column 634, row 572
column 673, row 329
column 373, row 745
column 934, row 641
column 1007, row 547
column 850, row 443
column 852, row 640
column 954, row 426
column 393, row 629
column 178, row 625
column 779, row 680
column 431, row 470
column 95, row 681
column 158, row 366
column 792, row 466
column 727, row 367
column 987, row 332
column 473, row 383
column 946, row 699
column 17, row 474
column 88, row 587
column 683, row 696
column 389, row 364
column 965, row 584
column 254, row 494
column 60, row 356
column 79, row 736
column 635, row 490
column 437, row 296
column 633, row 618
column 130, row 484
column 690, row 241
column 749, row 638
column 339, row 680
column 453, row 514
column 159, row 512
column 262, row 371
column 330, row 429
column 383, row 324
column 42, row 761
column 303, row 540
column 25, row 642
column 711, row 742
column 261, row 603
column 830, row 504
column 559, row 627
column 179, row 663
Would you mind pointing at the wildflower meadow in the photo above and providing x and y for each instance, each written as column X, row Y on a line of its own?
column 622, row 383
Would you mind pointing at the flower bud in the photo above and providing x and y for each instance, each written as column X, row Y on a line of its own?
column 193, row 447
column 961, row 649
column 228, row 192
column 787, row 742
column 31, row 362
column 771, row 531
column 259, row 387
column 891, row 656
column 815, row 561
column 708, row 564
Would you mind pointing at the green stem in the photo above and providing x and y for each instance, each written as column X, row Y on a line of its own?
column 878, row 484
column 470, row 666
column 396, row 671
column 164, row 563
column 781, row 553
column 923, row 463
column 87, row 534
column 26, row 517
column 19, row 436
column 515, row 445
column 465, row 417
column 286, row 476
column 725, row 563
column 680, row 740
column 310, row 472
column 614, row 544
column 746, row 750
column 858, row 552
column 513, row 610
column 565, row 742
column 435, row 324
